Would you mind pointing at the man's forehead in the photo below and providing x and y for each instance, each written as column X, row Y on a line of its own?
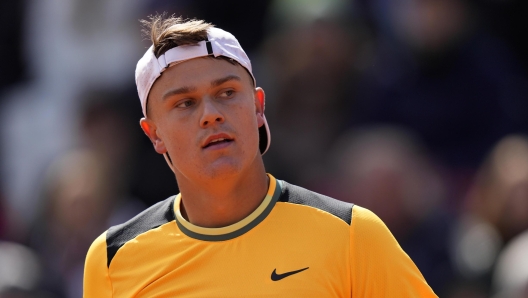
column 201, row 72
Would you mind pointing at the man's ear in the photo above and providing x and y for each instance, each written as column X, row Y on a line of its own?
column 260, row 104
column 150, row 129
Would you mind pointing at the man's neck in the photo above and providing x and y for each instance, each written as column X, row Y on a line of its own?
column 219, row 203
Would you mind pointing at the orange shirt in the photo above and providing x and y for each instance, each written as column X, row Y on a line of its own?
column 297, row 243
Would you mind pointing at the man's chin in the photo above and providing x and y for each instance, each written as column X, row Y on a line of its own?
column 223, row 168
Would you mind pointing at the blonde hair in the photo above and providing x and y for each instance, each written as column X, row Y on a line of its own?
column 169, row 32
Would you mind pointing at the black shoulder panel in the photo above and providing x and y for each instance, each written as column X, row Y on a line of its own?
column 298, row 195
column 153, row 217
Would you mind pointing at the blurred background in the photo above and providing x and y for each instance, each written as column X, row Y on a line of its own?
column 415, row 109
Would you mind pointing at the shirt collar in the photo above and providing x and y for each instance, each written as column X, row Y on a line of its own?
column 236, row 229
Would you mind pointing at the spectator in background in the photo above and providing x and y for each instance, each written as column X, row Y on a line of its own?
column 305, row 65
column 496, row 210
column 86, row 190
column 78, row 198
column 500, row 192
column 108, row 125
column 66, row 48
column 436, row 72
column 387, row 170
column 82, row 198
column 105, row 128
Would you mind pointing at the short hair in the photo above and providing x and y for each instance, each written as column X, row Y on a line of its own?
column 169, row 32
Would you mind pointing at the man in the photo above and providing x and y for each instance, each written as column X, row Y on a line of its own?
column 233, row 231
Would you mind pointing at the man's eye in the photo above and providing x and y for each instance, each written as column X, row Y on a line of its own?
column 185, row 104
column 227, row 93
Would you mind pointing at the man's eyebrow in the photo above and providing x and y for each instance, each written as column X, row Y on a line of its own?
column 181, row 90
column 187, row 89
column 220, row 81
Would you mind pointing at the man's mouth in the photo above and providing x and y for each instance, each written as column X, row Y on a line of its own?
column 217, row 142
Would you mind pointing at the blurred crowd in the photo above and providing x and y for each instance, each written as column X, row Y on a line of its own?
column 415, row 109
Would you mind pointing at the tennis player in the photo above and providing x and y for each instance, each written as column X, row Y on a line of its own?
column 234, row 230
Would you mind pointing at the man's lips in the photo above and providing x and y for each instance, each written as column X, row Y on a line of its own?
column 220, row 140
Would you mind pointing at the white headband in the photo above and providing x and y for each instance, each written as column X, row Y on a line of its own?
column 218, row 43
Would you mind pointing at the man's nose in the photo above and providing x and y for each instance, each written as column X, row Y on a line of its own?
column 211, row 114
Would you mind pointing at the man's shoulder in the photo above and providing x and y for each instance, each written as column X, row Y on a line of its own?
column 151, row 218
column 297, row 195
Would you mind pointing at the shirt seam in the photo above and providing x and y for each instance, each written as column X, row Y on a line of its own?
column 318, row 209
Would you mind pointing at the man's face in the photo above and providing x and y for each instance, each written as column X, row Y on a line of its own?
column 205, row 113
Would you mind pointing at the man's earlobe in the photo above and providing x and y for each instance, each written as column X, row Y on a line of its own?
column 149, row 128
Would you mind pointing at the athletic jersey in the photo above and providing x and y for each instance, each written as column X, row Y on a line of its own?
column 297, row 243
